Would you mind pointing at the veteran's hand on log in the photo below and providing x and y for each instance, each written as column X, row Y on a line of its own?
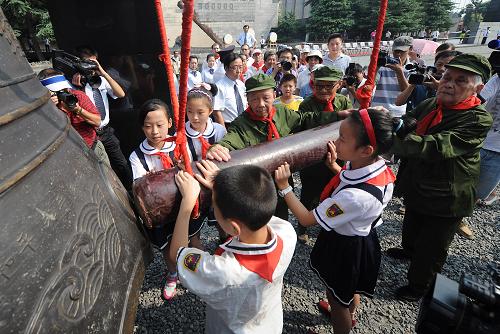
column 209, row 171
column 188, row 187
column 219, row 153
column 281, row 176
column 343, row 114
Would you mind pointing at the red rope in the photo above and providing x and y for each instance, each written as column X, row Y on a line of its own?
column 179, row 105
column 165, row 58
column 364, row 93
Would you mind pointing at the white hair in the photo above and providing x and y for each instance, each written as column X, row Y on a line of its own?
column 477, row 79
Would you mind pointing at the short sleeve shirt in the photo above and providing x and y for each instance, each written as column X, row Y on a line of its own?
column 105, row 89
column 225, row 100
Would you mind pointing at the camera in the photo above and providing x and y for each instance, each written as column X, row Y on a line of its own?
column 69, row 99
column 468, row 306
column 286, row 65
column 384, row 59
column 350, row 75
column 70, row 65
column 420, row 74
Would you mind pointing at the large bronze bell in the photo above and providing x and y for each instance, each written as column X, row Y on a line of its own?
column 72, row 255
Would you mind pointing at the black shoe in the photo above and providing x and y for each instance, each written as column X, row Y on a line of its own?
column 408, row 293
column 398, row 253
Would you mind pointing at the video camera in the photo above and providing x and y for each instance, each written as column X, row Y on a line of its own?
column 69, row 99
column 70, row 65
column 420, row 74
column 384, row 59
column 468, row 306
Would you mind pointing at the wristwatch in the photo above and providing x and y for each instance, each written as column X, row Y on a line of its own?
column 285, row 191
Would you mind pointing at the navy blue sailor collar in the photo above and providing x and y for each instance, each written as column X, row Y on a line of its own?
column 148, row 149
column 208, row 133
column 360, row 175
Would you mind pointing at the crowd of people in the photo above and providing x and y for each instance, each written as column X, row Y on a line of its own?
column 438, row 131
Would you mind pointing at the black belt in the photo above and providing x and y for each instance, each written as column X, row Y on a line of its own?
column 100, row 131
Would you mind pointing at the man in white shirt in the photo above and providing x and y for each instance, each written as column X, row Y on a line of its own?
column 486, row 32
column 194, row 76
column 98, row 92
column 230, row 101
column 336, row 58
column 246, row 37
column 245, row 49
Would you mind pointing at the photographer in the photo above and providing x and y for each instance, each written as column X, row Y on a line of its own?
column 284, row 65
column 441, row 140
column 416, row 93
column 354, row 78
column 314, row 57
column 82, row 113
column 98, row 93
column 392, row 77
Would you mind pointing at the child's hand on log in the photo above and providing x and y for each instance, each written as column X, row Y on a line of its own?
column 281, row 176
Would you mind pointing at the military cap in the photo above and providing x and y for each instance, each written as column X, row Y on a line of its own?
column 327, row 73
column 474, row 63
column 259, row 82
column 402, row 43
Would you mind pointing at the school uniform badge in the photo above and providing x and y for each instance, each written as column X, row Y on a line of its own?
column 334, row 210
column 191, row 261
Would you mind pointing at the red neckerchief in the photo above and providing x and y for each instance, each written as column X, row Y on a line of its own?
column 217, row 56
column 382, row 179
column 261, row 264
column 264, row 69
column 272, row 131
column 204, row 146
column 166, row 162
column 436, row 116
column 242, row 78
column 257, row 65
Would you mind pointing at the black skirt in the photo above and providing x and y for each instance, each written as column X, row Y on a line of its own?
column 160, row 236
column 347, row 264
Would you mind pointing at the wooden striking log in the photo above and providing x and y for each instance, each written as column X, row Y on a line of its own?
column 158, row 199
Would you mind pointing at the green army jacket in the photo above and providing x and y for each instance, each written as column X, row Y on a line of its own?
column 244, row 132
column 310, row 104
column 441, row 168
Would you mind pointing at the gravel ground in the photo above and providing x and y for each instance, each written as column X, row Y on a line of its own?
column 302, row 289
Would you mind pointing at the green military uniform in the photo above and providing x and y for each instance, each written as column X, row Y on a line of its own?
column 244, row 132
column 438, row 179
column 315, row 178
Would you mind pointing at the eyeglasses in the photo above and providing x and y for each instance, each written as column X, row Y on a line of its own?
column 236, row 67
column 325, row 87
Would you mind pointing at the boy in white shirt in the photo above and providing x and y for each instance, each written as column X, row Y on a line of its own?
column 242, row 282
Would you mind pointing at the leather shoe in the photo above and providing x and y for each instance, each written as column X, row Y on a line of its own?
column 408, row 293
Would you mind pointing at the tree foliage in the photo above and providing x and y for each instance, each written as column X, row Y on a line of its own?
column 328, row 16
column 359, row 17
column 492, row 11
column 30, row 21
column 289, row 28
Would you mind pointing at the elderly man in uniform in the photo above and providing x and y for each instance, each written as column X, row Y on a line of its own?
column 439, row 180
column 263, row 121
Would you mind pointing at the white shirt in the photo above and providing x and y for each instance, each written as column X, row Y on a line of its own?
column 105, row 89
column 435, row 34
column 193, row 79
column 225, row 100
column 153, row 161
column 240, row 300
column 341, row 62
column 351, row 211
column 212, row 134
column 250, row 39
column 491, row 93
column 303, row 78
column 206, row 76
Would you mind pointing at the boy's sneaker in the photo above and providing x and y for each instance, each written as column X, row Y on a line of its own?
column 170, row 288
